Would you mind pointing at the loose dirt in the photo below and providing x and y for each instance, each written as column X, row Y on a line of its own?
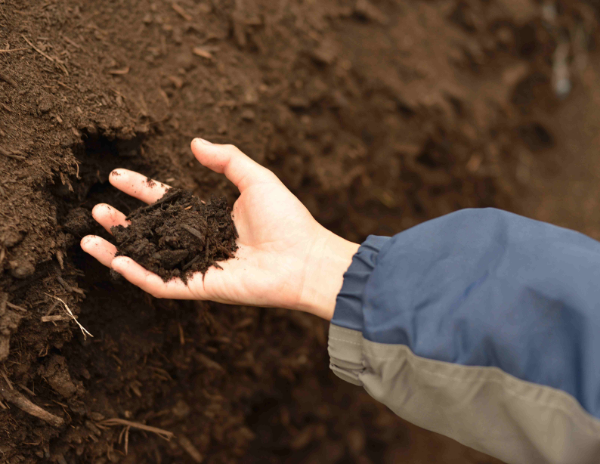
column 178, row 235
column 378, row 114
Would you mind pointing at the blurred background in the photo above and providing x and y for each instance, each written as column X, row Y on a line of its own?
column 378, row 114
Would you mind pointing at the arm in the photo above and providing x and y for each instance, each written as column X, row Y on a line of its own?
column 483, row 326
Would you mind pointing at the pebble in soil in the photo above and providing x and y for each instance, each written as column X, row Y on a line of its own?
column 178, row 235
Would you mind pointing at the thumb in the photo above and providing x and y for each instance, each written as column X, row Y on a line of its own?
column 229, row 160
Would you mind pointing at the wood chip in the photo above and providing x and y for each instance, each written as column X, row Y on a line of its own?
column 16, row 398
column 189, row 447
column 119, row 72
column 10, row 50
column 55, row 318
column 11, row 154
column 194, row 232
column 199, row 51
column 76, row 45
column 48, row 57
column 8, row 80
column 14, row 306
column 181, row 12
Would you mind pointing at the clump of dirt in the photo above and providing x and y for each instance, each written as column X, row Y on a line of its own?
column 178, row 235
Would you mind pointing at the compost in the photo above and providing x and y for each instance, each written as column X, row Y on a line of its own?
column 178, row 235
column 377, row 114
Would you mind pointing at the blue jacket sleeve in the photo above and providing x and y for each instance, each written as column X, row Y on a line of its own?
column 481, row 325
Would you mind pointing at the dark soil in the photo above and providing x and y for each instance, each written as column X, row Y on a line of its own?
column 378, row 114
column 178, row 235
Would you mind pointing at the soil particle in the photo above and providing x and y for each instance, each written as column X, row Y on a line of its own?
column 9, row 322
column 78, row 222
column 178, row 235
column 57, row 375
column 21, row 268
column 10, row 238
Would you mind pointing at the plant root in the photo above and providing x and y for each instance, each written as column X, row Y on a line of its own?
column 164, row 434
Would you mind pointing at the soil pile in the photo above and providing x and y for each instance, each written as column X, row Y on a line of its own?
column 178, row 235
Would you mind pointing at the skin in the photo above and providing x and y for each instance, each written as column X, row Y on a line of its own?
column 285, row 259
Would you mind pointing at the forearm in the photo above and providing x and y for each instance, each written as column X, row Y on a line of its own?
column 482, row 326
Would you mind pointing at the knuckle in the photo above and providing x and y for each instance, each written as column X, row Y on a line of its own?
column 156, row 293
column 233, row 149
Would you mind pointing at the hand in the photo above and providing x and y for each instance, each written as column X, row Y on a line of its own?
column 285, row 258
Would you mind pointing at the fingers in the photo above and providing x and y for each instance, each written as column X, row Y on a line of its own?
column 148, row 281
column 228, row 160
column 108, row 217
column 105, row 252
column 99, row 248
column 137, row 185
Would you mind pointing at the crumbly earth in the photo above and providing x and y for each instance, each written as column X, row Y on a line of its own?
column 178, row 235
column 378, row 114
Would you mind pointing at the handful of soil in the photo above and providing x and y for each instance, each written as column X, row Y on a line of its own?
column 178, row 235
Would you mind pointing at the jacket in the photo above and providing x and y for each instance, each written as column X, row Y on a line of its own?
column 483, row 326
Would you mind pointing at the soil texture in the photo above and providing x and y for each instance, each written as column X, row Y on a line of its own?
column 377, row 114
column 178, row 235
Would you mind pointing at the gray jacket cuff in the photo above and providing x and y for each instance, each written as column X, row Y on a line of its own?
column 345, row 353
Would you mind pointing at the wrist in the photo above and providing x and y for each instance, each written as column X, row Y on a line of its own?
column 328, row 261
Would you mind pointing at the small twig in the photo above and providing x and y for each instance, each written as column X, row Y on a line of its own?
column 16, row 398
column 76, row 45
column 8, row 80
column 127, row 440
column 56, row 318
column 199, row 51
column 225, row 250
column 51, row 308
column 164, row 199
column 191, row 263
column 189, row 447
column 8, row 154
column 14, row 306
column 164, row 434
column 48, row 57
column 119, row 72
column 8, row 382
column 82, row 328
column 27, row 390
column 194, row 232
column 181, row 12
column 10, row 50
column 62, row 84
column 68, row 288
column 3, row 302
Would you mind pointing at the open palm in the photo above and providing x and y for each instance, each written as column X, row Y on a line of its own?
column 285, row 258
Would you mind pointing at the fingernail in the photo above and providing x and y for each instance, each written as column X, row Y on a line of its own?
column 202, row 141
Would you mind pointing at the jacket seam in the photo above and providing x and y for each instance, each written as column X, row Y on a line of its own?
column 344, row 341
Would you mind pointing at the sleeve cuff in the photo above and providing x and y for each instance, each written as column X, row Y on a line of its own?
column 345, row 354
column 348, row 308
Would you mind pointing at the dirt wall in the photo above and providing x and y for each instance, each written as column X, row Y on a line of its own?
column 377, row 114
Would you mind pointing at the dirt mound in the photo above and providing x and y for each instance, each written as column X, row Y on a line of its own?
column 178, row 235
column 377, row 114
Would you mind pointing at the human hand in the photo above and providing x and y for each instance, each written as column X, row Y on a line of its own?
column 285, row 257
